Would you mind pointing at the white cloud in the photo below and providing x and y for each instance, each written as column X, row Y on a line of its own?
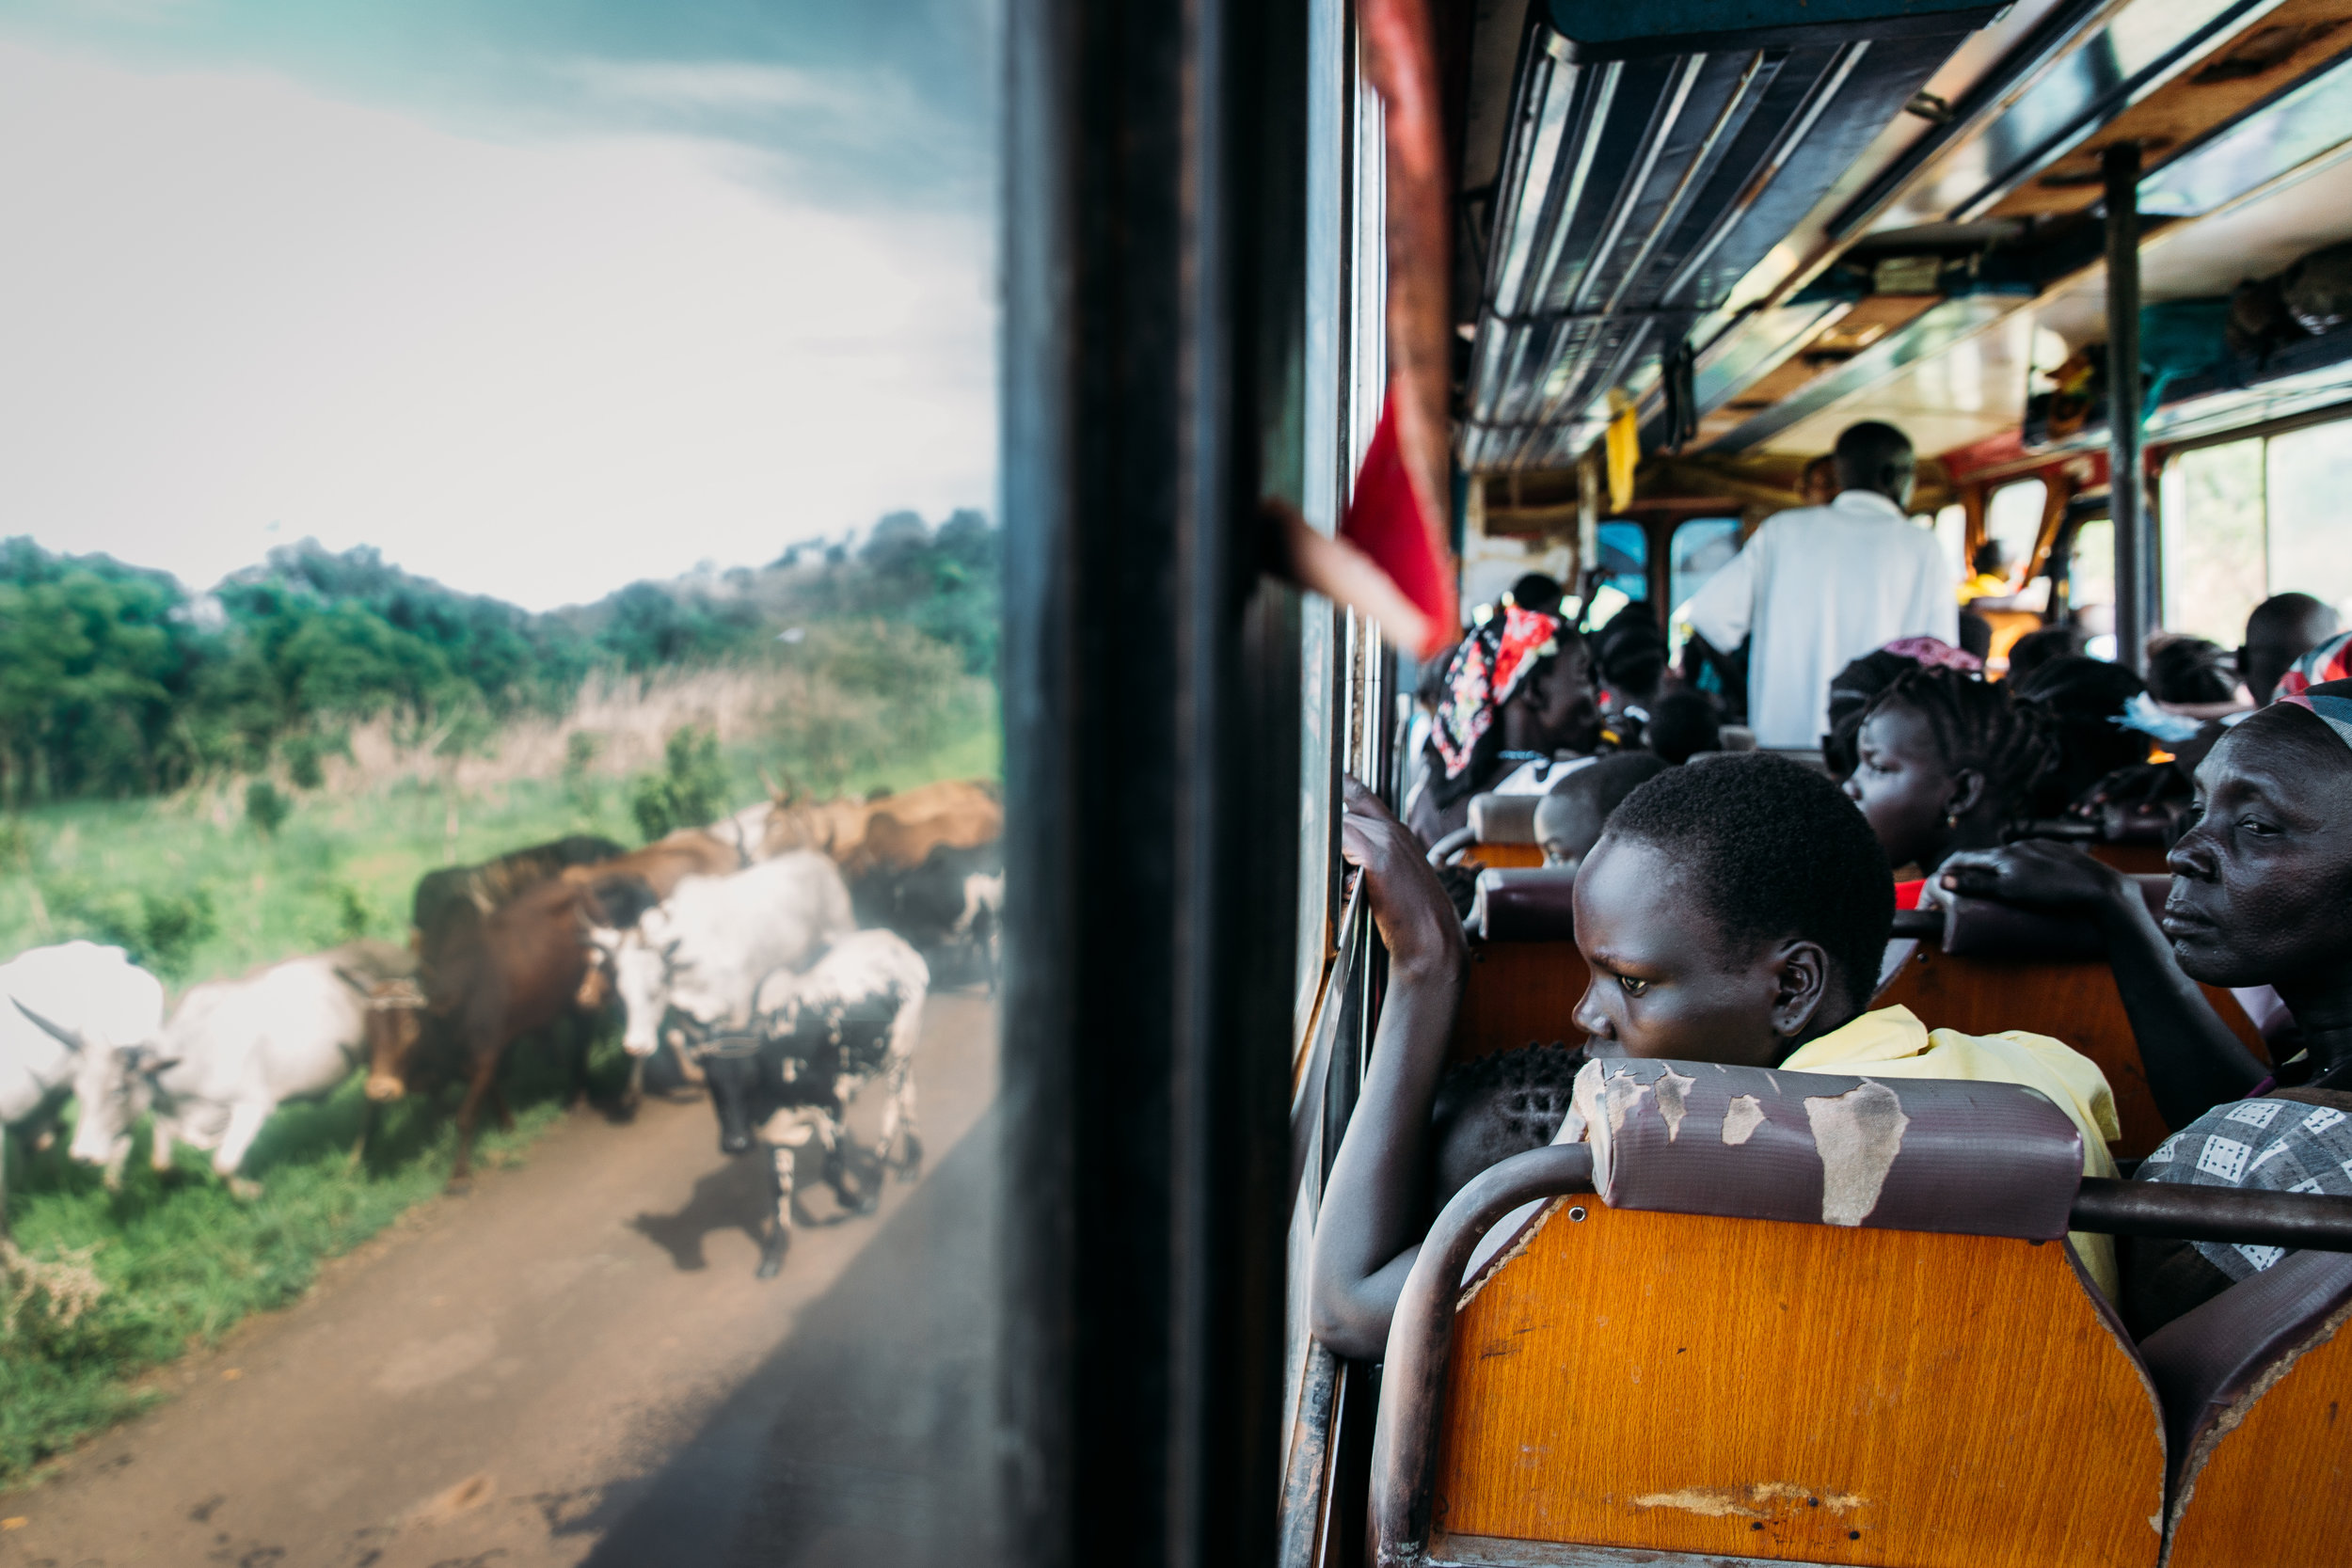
column 234, row 313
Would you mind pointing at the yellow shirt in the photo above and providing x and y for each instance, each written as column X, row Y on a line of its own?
column 1985, row 585
column 1891, row 1042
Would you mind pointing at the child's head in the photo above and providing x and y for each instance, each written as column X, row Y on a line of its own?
column 1569, row 821
column 1851, row 691
column 1732, row 911
column 2035, row 649
column 2191, row 670
column 1944, row 761
column 1494, row 1106
column 1990, row 560
column 1682, row 724
column 2261, row 881
column 2281, row 630
column 2087, row 697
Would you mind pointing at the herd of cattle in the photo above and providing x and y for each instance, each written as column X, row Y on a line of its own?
column 778, row 956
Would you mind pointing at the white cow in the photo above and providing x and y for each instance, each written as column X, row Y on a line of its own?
column 703, row 953
column 234, row 1051
column 62, row 1005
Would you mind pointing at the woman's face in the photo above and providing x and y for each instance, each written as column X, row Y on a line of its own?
column 1561, row 707
column 1904, row 787
column 2260, row 883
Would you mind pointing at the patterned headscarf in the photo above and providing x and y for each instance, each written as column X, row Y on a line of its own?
column 2331, row 661
column 1934, row 651
column 1489, row 665
column 2330, row 702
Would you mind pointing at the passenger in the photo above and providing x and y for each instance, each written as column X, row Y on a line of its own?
column 2034, row 650
column 1858, row 685
column 1735, row 911
column 1822, row 585
column 2192, row 677
column 2260, row 885
column 2281, row 630
column 1989, row 578
column 1684, row 725
column 2090, row 698
column 1538, row 592
column 1568, row 820
column 1947, row 762
column 1630, row 652
column 1819, row 485
column 1518, row 693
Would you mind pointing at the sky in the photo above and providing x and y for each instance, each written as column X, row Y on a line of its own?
column 536, row 299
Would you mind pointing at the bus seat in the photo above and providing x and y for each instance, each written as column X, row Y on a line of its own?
column 1518, row 993
column 2004, row 968
column 2253, row 1382
column 1525, row 904
column 1502, row 831
column 1678, row 1384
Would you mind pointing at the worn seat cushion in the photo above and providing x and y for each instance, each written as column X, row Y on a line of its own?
column 1968, row 1158
column 1524, row 904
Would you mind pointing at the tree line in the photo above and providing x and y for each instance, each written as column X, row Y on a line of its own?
column 115, row 681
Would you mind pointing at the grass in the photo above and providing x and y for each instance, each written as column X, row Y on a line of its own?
column 176, row 1260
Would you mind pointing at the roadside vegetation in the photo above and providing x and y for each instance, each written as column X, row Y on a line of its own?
column 297, row 753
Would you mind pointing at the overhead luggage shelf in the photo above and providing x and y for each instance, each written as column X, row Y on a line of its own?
column 1647, row 174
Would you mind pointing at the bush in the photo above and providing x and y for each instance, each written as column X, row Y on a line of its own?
column 690, row 791
column 160, row 930
column 266, row 807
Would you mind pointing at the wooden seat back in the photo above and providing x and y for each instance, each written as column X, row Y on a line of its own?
column 2256, row 1383
column 1668, row 1384
column 1518, row 992
column 2072, row 1000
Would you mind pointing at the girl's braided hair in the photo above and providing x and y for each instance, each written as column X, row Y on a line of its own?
column 1976, row 723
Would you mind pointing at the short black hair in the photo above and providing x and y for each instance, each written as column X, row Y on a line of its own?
column 1540, row 592
column 1629, row 649
column 1772, row 849
column 2088, row 697
column 1581, row 803
column 1851, row 691
column 2037, row 649
column 2191, row 670
column 1975, row 724
column 1992, row 556
column 1875, row 456
column 1682, row 724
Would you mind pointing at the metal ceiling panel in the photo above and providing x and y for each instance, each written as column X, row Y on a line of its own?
column 1645, row 177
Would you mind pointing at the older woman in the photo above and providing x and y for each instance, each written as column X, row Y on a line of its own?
column 2260, row 885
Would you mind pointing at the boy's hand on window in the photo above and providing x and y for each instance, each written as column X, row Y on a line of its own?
column 1409, row 905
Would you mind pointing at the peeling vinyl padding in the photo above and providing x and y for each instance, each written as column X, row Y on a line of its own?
column 1672, row 1087
column 1858, row 1134
column 1621, row 1094
column 1741, row 1117
column 1747, row 1502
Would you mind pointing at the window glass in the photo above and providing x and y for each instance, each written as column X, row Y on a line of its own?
column 2309, row 480
column 2013, row 517
column 1624, row 561
column 1951, row 536
column 1702, row 548
column 2211, row 512
column 2090, row 585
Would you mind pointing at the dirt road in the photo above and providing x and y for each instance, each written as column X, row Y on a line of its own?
column 574, row 1364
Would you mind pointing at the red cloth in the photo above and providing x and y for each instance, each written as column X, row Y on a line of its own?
column 1907, row 893
column 1386, row 522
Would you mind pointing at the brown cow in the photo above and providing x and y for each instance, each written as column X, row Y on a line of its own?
column 521, row 971
column 892, row 833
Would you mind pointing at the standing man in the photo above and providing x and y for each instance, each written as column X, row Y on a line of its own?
column 1820, row 586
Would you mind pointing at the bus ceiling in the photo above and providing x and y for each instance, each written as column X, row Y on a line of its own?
column 1843, row 209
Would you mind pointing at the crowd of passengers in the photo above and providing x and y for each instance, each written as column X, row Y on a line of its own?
column 1736, row 906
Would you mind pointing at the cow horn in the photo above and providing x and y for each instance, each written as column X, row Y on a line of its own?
column 396, row 993
column 69, row 1038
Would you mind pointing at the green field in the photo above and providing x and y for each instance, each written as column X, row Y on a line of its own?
column 199, row 890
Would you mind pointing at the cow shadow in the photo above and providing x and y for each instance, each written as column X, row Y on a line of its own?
column 735, row 1197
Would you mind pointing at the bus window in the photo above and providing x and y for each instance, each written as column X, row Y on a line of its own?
column 1702, row 548
column 2212, row 513
column 1623, row 564
column 2013, row 517
column 2090, row 585
column 1951, row 536
column 2311, row 550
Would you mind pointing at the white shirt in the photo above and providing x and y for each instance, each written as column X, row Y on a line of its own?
column 1816, row 588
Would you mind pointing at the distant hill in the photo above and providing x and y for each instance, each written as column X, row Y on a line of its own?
column 115, row 681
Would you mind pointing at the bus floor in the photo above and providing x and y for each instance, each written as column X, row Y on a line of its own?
column 575, row 1364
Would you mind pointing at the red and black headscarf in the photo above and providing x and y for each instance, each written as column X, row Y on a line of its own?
column 1485, row 669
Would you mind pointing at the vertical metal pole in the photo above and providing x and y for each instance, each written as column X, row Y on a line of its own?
column 2135, row 547
column 1152, row 289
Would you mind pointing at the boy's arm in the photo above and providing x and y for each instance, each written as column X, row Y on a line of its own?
column 1376, row 1205
column 2193, row 1060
